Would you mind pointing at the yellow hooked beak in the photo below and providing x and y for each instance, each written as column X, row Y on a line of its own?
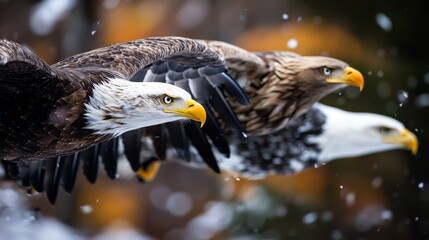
column 406, row 138
column 193, row 110
column 351, row 77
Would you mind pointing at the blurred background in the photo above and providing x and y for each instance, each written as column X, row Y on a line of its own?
column 381, row 196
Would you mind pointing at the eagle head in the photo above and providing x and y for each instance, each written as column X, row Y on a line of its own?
column 117, row 106
column 328, row 74
column 361, row 134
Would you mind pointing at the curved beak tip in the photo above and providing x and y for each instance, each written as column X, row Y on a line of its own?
column 350, row 77
column 415, row 147
column 406, row 139
column 410, row 141
column 196, row 111
column 354, row 78
column 203, row 121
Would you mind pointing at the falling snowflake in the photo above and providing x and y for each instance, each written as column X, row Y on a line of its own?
column 292, row 43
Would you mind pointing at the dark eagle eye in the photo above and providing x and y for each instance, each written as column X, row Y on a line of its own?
column 167, row 100
column 327, row 71
column 385, row 130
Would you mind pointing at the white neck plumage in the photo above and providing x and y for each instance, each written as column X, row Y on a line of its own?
column 347, row 134
column 117, row 106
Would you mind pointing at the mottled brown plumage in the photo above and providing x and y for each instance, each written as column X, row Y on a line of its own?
column 280, row 85
column 42, row 106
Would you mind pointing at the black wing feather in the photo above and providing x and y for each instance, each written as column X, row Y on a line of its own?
column 173, row 76
column 71, row 167
column 158, row 135
column 37, row 175
column 201, row 89
column 175, row 67
column 90, row 163
column 132, row 147
column 109, row 156
column 139, row 76
column 158, row 68
column 191, row 73
column 230, row 86
column 54, row 168
column 225, row 110
column 178, row 139
column 155, row 78
column 197, row 138
column 215, row 133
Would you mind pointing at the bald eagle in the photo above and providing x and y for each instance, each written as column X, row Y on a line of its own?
column 319, row 136
column 52, row 111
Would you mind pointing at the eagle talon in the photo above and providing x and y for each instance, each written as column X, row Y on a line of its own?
column 148, row 171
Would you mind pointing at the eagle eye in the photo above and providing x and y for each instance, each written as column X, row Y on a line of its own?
column 327, row 71
column 167, row 100
column 385, row 130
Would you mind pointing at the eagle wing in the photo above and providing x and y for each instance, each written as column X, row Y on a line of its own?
column 29, row 90
column 186, row 63
column 207, row 83
column 183, row 62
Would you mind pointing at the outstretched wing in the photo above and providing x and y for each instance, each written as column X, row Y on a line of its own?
column 186, row 63
column 183, row 62
column 126, row 59
column 212, row 87
column 29, row 90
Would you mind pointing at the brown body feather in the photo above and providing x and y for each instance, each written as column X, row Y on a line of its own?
column 280, row 85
